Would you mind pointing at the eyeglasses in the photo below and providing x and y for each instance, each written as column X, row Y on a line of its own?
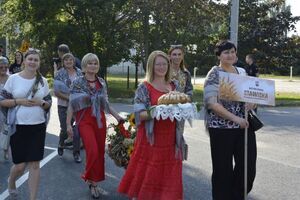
column 33, row 50
column 161, row 64
column 176, row 45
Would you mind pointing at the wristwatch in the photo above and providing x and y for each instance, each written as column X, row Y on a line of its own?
column 43, row 103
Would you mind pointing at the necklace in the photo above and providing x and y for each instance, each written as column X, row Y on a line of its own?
column 93, row 81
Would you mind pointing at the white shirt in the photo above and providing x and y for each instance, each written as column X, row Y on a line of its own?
column 19, row 88
column 241, row 71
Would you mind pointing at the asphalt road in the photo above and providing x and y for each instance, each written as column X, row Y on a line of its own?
column 278, row 164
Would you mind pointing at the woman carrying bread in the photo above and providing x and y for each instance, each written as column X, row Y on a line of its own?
column 155, row 167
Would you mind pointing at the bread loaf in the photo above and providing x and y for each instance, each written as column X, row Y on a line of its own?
column 173, row 97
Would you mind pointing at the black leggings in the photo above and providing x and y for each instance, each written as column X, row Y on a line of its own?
column 228, row 180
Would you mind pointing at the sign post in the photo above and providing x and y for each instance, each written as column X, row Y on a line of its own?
column 234, row 87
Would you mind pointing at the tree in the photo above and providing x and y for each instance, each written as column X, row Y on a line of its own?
column 263, row 31
column 86, row 26
column 160, row 23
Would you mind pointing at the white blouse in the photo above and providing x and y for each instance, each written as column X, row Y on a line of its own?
column 19, row 88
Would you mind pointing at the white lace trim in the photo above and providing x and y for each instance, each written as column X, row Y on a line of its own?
column 179, row 112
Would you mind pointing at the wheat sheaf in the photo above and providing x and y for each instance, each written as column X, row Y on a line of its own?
column 227, row 90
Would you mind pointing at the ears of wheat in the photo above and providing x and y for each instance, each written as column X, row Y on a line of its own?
column 227, row 90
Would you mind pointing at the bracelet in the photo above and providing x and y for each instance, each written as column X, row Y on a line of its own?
column 15, row 102
column 43, row 103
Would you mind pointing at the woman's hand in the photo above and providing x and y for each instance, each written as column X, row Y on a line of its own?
column 120, row 120
column 250, row 106
column 242, row 122
column 36, row 102
column 70, row 130
column 28, row 102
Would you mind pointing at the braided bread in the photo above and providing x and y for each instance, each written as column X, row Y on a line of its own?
column 173, row 97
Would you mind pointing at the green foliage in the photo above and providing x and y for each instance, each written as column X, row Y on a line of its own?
column 50, row 80
column 111, row 28
column 86, row 26
column 263, row 31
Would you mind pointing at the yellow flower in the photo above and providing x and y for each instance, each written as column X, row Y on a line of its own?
column 131, row 120
column 130, row 150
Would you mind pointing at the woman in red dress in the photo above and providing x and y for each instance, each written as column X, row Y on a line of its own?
column 89, row 101
column 155, row 168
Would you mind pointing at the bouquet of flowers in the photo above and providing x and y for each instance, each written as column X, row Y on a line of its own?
column 121, row 141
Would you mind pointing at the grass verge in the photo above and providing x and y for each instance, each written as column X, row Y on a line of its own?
column 118, row 92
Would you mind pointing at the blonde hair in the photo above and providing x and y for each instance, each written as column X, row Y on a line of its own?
column 88, row 58
column 150, row 66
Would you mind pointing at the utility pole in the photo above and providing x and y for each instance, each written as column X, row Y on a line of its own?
column 234, row 21
column 234, row 27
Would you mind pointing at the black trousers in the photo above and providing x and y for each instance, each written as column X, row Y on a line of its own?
column 227, row 145
column 62, row 115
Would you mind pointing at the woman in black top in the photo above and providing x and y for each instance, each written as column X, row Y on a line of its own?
column 17, row 65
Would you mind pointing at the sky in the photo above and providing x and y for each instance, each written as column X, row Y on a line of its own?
column 295, row 5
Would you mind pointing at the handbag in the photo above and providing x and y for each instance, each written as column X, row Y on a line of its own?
column 254, row 122
column 4, row 138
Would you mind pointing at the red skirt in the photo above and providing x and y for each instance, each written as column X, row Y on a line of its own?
column 153, row 172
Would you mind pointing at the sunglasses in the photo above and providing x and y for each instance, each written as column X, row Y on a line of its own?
column 176, row 45
column 33, row 50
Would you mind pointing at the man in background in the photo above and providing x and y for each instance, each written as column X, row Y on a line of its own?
column 62, row 50
column 251, row 68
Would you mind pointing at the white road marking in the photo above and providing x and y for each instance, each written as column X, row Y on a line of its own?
column 24, row 178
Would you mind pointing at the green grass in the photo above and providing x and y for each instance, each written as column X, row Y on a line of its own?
column 118, row 92
column 117, row 89
column 278, row 77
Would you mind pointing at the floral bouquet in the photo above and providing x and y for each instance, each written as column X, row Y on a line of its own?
column 121, row 141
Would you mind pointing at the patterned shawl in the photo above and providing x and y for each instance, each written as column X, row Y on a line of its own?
column 185, row 82
column 62, row 82
column 82, row 97
column 8, row 115
column 211, row 96
column 141, row 103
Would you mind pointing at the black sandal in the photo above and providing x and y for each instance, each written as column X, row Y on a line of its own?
column 94, row 190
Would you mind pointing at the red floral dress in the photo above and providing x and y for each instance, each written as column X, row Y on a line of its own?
column 153, row 172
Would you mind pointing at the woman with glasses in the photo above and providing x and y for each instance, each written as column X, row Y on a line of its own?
column 27, row 96
column 3, row 79
column 155, row 167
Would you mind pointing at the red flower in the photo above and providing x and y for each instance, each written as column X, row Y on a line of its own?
column 123, row 131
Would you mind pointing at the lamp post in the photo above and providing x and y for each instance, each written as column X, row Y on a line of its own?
column 234, row 21
column 136, row 73
column 135, row 59
column 291, row 73
column 195, row 70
